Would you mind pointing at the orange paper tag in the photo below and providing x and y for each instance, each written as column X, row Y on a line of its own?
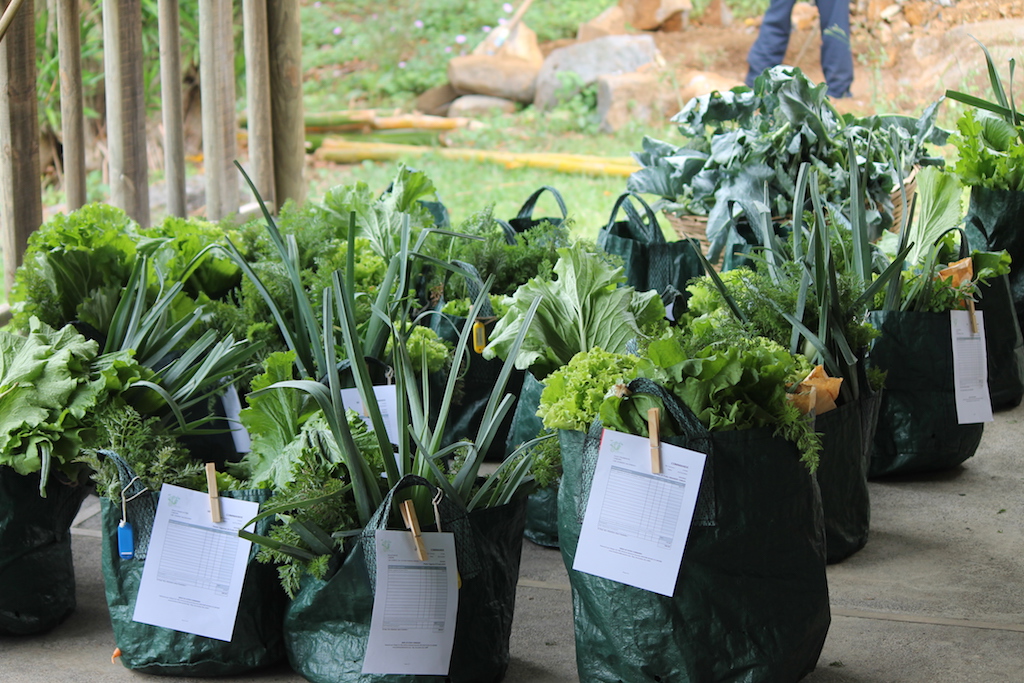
column 961, row 271
column 817, row 391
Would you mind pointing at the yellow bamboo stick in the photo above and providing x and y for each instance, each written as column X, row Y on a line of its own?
column 346, row 152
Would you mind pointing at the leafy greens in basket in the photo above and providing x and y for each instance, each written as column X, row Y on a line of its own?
column 739, row 140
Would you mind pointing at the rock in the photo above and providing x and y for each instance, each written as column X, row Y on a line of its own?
column 611, row 22
column 522, row 44
column 679, row 21
column 480, row 105
column 700, row 83
column 804, row 16
column 609, row 55
column 435, row 101
column 889, row 12
column 647, row 15
column 638, row 97
column 505, row 77
column 874, row 11
column 918, row 13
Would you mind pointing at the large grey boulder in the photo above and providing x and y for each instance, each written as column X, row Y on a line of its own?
column 608, row 55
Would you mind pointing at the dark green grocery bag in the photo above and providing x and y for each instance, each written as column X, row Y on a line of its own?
column 995, row 221
column 917, row 423
column 650, row 261
column 478, row 376
column 327, row 625
column 524, row 220
column 751, row 599
column 257, row 640
column 842, row 474
column 542, row 505
column 37, row 577
column 1004, row 344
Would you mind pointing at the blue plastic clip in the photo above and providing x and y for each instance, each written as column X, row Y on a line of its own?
column 125, row 540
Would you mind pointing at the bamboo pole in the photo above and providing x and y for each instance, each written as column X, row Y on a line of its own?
column 72, row 111
column 126, row 108
column 286, row 99
column 8, row 16
column 257, row 70
column 342, row 151
column 367, row 119
column 172, row 107
column 21, row 204
column 217, row 88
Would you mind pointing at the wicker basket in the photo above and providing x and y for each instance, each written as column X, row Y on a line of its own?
column 695, row 227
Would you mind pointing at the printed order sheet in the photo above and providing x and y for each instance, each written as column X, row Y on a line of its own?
column 970, row 369
column 192, row 579
column 636, row 523
column 387, row 401
column 412, row 627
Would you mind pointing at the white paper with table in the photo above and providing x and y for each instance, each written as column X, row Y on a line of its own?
column 636, row 523
column 192, row 579
column 387, row 402
column 412, row 628
column 970, row 368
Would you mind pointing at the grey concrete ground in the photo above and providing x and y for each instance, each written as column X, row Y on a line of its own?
column 937, row 596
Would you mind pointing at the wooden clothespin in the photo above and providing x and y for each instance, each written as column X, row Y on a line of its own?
column 211, row 485
column 413, row 525
column 654, row 429
column 971, row 313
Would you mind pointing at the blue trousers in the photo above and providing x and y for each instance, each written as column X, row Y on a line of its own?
column 836, row 59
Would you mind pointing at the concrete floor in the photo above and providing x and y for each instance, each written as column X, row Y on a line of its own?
column 937, row 595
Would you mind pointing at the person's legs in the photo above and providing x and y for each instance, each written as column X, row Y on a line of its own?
column 772, row 40
column 836, row 58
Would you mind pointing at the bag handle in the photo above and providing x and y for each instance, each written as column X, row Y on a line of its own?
column 140, row 509
column 507, row 229
column 474, row 285
column 649, row 232
column 454, row 518
column 526, row 211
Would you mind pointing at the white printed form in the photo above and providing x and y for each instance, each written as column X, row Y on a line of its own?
column 387, row 401
column 636, row 523
column 970, row 369
column 412, row 628
column 192, row 579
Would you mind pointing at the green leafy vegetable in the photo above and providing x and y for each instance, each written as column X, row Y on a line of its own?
column 586, row 306
column 573, row 394
column 739, row 385
column 47, row 392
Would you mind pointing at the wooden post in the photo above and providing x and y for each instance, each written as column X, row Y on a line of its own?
column 126, row 108
column 286, row 99
column 217, row 88
column 172, row 108
column 21, row 204
column 72, row 116
column 257, row 78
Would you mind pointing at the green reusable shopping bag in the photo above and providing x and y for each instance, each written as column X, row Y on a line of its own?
column 257, row 640
column 524, row 220
column 477, row 377
column 917, row 421
column 328, row 623
column 542, row 505
column 842, row 475
column 37, row 577
column 995, row 221
column 751, row 599
column 1004, row 344
column 650, row 261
